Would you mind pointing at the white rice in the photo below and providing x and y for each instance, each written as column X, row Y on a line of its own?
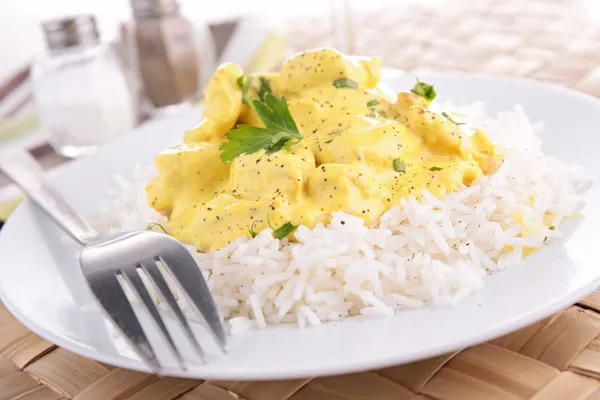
column 432, row 252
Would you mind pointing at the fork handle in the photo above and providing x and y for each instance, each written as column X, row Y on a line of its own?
column 27, row 173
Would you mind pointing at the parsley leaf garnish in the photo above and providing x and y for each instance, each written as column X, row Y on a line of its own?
column 424, row 90
column 435, row 169
column 545, row 238
column 373, row 103
column 328, row 141
column 445, row 114
column 284, row 230
column 265, row 88
column 152, row 225
column 253, row 233
column 280, row 131
column 399, row 165
column 552, row 227
column 345, row 83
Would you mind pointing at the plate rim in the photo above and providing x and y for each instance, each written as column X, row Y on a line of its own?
column 526, row 319
column 531, row 317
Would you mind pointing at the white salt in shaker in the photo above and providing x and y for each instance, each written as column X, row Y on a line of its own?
column 80, row 88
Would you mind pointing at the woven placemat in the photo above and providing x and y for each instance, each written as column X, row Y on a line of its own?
column 551, row 40
column 557, row 358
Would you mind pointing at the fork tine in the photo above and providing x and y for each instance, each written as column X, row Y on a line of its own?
column 134, row 280
column 112, row 299
column 150, row 267
column 184, row 269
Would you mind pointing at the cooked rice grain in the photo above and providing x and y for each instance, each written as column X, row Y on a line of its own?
column 428, row 252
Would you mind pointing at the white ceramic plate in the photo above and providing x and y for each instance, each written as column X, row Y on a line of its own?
column 41, row 285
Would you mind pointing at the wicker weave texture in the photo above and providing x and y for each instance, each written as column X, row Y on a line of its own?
column 558, row 358
column 552, row 40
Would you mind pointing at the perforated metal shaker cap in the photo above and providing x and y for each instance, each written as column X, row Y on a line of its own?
column 62, row 33
column 145, row 9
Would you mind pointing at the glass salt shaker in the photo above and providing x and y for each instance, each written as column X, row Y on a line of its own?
column 80, row 89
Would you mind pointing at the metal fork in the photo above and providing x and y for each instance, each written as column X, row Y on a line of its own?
column 104, row 258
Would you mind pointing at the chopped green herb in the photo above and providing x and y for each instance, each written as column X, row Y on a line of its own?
column 435, row 169
column 546, row 238
column 253, row 233
column 552, row 227
column 445, row 114
column 265, row 88
column 424, row 90
column 376, row 114
column 399, row 165
column 280, row 131
column 373, row 103
column 345, row 83
column 244, row 85
column 284, row 230
column 329, row 141
column 153, row 225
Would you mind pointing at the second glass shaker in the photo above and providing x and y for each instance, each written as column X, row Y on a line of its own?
column 174, row 57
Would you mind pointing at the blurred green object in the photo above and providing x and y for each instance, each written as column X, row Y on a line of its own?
column 7, row 207
column 14, row 127
column 267, row 56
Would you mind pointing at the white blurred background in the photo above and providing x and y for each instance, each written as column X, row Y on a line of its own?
column 21, row 37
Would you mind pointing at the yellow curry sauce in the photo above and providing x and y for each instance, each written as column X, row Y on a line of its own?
column 361, row 153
